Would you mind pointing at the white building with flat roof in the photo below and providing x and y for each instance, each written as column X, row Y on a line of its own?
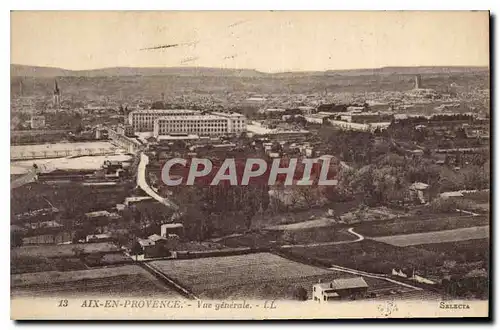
column 215, row 124
column 237, row 123
column 143, row 120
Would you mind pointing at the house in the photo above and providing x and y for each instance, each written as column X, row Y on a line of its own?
column 37, row 122
column 306, row 110
column 417, row 152
column 450, row 194
column 129, row 201
column 157, row 239
column 341, row 288
column 154, row 246
column 44, row 224
column 161, row 248
column 419, row 190
column 112, row 165
column 148, row 247
column 168, row 229
column 100, row 214
column 96, row 238
column 100, row 218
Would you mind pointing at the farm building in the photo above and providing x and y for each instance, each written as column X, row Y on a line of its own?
column 154, row 246
column 99, row 215
column 96, row 238
column 354, row 287
column 148, row 247
column 129, row 201
column 172, row 229
column 420, row 192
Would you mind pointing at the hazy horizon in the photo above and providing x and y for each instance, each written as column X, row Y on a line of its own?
column 269, row 42
column 207, row 67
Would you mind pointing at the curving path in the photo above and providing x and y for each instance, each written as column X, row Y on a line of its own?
column 142, row 183
column 26, row 178
column 31, row 175
column 359, row 238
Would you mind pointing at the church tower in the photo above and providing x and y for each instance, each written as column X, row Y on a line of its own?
column 57, row 96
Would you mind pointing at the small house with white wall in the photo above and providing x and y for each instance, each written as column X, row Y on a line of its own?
column 341, row 288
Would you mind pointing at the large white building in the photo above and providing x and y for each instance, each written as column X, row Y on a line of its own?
column 202, row 125
column 143, row 120
column 236, row 122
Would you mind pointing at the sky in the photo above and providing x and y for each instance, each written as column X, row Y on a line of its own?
column 266, row 41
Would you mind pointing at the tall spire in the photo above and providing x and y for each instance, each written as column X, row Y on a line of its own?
column 57, row 95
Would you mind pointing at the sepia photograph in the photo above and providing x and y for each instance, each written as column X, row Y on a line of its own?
column 249, row 165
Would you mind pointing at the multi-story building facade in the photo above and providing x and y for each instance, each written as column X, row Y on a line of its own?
column 236, row 122
column 143, row 120
column 202, row 125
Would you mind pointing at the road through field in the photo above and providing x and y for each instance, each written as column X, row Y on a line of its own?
column 359, row 238
column 372, row 275
column 31, row 175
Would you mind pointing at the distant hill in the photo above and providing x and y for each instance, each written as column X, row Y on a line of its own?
column 17, row 70
column 36, row 71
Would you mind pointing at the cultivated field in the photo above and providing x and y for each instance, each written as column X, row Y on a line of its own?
column 453, row 235
column 269, row 220
column 43, row 258
column 129, row 281
column 419, row 224
column 323, row 222
column 27, row 264
column 272, row 238
column 480, row 200
column 473, row 250
column 61, row 251
column 74, row 163
column 59, row 147
column 478, row 196
column 257, row 276
column 370, row 256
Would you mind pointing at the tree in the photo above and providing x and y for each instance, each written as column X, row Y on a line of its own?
column 79, row 128
column 288, row 236
column 94, row 259
column 306, row 195
column 77, row 251
column 158, row 105
column 16, row 239
column 80, row 234
column 300, row 294
column 136, row 249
